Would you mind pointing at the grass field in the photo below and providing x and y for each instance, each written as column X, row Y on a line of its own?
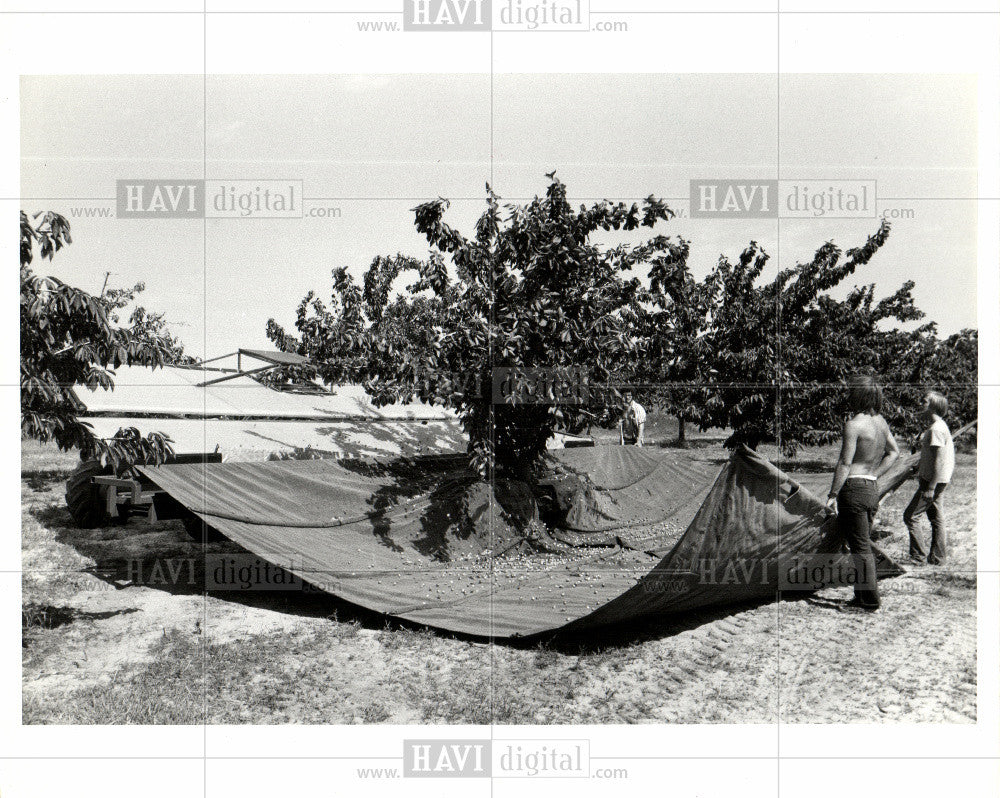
column 99, row 648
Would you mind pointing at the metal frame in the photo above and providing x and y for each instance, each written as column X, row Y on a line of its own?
column 235, row 375
column 132, row 492
column 239, row 372
column 142, row 498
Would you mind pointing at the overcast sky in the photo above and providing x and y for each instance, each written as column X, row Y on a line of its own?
column 374, row 146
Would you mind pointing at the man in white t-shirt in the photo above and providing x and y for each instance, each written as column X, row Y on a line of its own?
column 937, row 462
column 632, row 427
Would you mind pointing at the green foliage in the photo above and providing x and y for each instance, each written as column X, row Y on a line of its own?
column 68, row 339
column 676, row 361
column 949, row 366
column 528, row 290
column 778, row 347
column 742, row 346
column 50, row 235
column 765, row 360
column 144, row 326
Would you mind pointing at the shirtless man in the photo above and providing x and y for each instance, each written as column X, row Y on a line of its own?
column 866, row 453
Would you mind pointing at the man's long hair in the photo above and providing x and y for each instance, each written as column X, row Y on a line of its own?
column 864, row 394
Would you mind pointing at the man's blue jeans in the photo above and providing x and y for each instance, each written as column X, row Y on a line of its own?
column 856, row 506
column 934, row 508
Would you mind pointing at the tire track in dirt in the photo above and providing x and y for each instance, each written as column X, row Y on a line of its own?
column 913, row 661
column 717, row 662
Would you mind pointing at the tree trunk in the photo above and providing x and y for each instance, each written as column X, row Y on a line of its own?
column 680, row 430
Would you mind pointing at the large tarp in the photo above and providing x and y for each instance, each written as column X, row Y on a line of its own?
column 427, row 544
column 625, row 492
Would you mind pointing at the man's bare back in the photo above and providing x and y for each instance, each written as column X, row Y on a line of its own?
column 868, row 450
column 871, row 436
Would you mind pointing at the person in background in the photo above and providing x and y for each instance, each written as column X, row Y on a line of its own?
column 867, row 451
column 632, row 427
column 937, row 462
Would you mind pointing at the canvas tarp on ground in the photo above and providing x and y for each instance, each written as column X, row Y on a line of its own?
column 615, row 492
column 421, row 549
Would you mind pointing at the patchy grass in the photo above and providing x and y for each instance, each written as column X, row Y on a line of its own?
column 46, row 462
column 168, row 690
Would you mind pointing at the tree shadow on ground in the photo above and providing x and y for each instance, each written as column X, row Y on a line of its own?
column 456, row 519
column 690, row 444
column 792, row 465
column 51, row 515
column 43, row 616
column 441, row 480
column 36, row 618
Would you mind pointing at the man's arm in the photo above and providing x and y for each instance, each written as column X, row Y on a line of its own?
column 891, row 453
column 935, row 453
column 847, row 448
column 642, row 432
column 621, row 431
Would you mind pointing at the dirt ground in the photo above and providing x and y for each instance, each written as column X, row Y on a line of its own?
column 99, row 647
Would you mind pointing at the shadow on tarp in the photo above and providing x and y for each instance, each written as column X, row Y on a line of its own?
column 462, row 515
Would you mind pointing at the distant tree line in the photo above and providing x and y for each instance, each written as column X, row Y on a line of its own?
column 766, row 360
